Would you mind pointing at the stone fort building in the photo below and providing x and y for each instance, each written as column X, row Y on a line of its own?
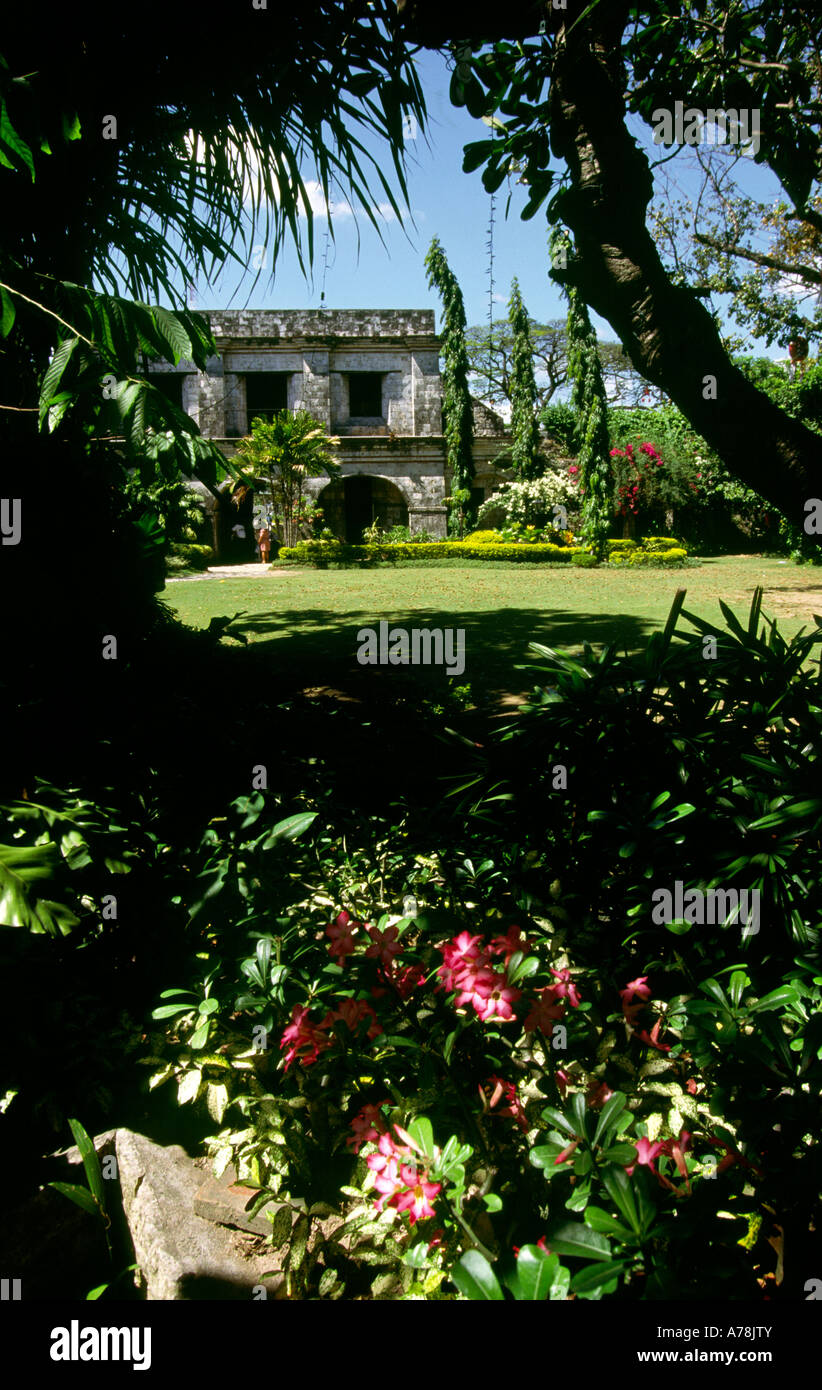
column 372, row 377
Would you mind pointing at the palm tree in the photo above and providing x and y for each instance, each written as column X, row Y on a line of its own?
column 279, row 455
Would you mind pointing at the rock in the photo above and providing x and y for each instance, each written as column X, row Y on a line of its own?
column 183, row 1256
column 223, row 1200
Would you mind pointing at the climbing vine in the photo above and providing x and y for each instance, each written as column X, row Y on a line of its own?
column 458, row 420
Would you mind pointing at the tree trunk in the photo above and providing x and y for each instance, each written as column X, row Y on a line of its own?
column 668, row 334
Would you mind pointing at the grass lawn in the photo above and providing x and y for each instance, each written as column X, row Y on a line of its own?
column 309, row 618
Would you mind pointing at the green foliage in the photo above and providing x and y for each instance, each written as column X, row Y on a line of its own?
column 93, row 1198
column 279, row 455
column 188, row 557
column 590, row 403
column 457, row 413
column 525, row 460
column 63, row 847
column 484, row 538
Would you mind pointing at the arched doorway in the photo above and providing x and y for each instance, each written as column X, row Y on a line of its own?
column 351, row 504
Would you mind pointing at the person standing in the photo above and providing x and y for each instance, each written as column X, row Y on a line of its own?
column 264, row 542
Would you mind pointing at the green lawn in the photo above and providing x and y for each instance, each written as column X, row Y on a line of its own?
column 310, row 618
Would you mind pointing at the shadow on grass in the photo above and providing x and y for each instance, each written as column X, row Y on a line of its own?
column 321, row 642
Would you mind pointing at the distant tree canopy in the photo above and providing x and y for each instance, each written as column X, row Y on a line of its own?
column 490, row 354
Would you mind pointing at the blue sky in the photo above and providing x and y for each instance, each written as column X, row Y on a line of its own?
column 446, row 203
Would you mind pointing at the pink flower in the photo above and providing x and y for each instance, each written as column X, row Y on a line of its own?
column 646, row 1152
column 475, row 987
column 498, row 1002
column 384, row 945
column 342, row 933
column 566, row 989
column 636, row 989
column 562, row 1078
column 368, row 1125
column 566, row 1153
column 457, row 954
column 303, row 1039
column 676, row 1149
column 417, row 1200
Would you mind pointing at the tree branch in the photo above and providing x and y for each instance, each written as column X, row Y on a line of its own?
column 814, row 277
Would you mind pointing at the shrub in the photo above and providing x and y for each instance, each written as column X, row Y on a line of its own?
column 188, row 557
column 583, row 559
column 663, row 551
column 484, row 538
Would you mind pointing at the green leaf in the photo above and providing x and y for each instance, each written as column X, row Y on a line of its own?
column 7, row 313
column 592, row 1277
column 620, row 1153
column 606, row 1224
column 290, row 828
column 609, row 1114
column 168, row 1010
column 475, row 1278
column 53, row 374
column 492, row 1201
column 79, row 1195
column 557, row 1119
column 422, row 1133
column 785, row 994
column 618, row 1186
column 14, row 142
column 573, row 1238
column 536, row 1273
column 91, row 1162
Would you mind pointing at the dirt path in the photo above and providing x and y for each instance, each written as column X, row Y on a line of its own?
column 255, row 571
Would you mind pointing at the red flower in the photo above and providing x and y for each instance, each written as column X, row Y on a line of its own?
column 342, row 933
column 509, row 1091
column 368, row 1125
column 597, row 1094
column 652, row 1040
column 566, row 989
column 545, row 1012
column 303, row 1039
column 384, row 945
column 352, row 1012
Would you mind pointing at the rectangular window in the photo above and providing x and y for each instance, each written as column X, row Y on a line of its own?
column 365, row 395
column 266, row 393
column 171, row 385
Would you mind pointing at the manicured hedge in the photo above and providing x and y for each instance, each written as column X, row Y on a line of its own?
column 327, row 552
column 653, row 550
column 659, row 551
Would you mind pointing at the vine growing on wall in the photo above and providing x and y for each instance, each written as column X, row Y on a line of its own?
column 457, row 415
column 590, row 402
column 524, row 425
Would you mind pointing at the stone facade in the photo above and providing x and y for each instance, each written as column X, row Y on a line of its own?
column 382, row 364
